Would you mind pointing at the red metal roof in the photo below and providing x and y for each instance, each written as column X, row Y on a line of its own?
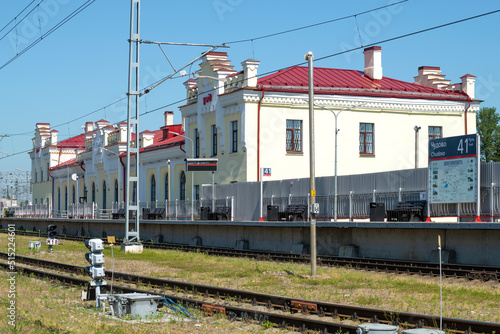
column 159, row 141
column 64, row 164
column 351, row 82
column 77, row 141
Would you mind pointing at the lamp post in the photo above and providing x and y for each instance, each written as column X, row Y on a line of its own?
column 416, row 128
column 336, row 113
column 309, row 57
column 192, row 173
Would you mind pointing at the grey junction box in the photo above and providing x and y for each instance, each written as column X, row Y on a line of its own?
column 139, row 305
column 377, row 329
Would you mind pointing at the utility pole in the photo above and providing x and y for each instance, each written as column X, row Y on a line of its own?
column 132, row 241
column 309, row 57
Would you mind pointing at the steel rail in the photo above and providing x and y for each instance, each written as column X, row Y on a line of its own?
column 484, row 273
column 286, row 304
column 281, row 320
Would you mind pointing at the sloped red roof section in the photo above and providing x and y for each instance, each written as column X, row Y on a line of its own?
column 64, row 164
column 351, row 82
column 77, row 141
column 159, row 141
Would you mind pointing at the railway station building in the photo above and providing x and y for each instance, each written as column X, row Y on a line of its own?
column 249, row 122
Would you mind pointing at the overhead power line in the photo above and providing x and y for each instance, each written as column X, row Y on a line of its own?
column 51, row 30
column 298, row 64
column 314, row 24
column 15, row 18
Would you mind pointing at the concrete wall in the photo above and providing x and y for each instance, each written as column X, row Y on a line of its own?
column 466, row 243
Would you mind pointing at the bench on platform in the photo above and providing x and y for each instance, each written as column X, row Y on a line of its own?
column 409, row 211
column 120, row 214
column 293, row 212
column 220, row 213
column 153, row 214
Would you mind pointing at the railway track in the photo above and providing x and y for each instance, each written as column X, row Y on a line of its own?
column 278, row 309
column 472, row 272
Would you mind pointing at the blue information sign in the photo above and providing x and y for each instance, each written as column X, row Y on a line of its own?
column 454, row 169
column 453, row 147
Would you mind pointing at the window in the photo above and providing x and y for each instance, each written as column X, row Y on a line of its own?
column 366, row 144
column 234, row 136
column 197, row 192
column 182, row 195
column 153, row 188
column 41, row 175
column 48, row 174
column 134, row 193
column 59, row 199
column 435, row 132
column 73, row 195
column 104, row 194
column 36, row 177
column 66, row 198
column 196, row 143
column 166, row 187
column 293, row 135
column 214, row 140
column 116, row 192
column 93, row 193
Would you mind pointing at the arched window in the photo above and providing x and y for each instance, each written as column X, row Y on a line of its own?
column 134, row 192
column 182, row 195
column 59, row 199
column 166, row 187
column 41, row 175
column 74, row 195
column 115, row 198
column 66, row 198
column 104, row 194
column 153, row 188
column 93, row 193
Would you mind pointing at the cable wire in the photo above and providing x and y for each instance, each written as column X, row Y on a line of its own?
column 54, row 28
column 313, row 25
column 15, row 18
column 277, row 70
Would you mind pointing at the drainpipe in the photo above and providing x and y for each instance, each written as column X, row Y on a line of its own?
column 466, row 109
column 258, row 131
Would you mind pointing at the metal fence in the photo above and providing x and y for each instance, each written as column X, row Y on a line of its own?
column 355, row 193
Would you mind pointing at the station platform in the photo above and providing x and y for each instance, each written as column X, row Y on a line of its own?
column 476, row 243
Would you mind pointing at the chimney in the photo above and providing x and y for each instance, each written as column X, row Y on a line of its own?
column 89, row 126
column 250, row 72
column 146, row 138
column 468, row 84
column 169, row 118
column 53, row 137
column 122, row 127
column 373, row 62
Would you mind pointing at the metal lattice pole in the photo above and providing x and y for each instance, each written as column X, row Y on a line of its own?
column 132, row 235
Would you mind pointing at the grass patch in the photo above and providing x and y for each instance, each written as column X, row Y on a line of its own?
column 471, row 300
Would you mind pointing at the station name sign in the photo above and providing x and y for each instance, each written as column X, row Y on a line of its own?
column 201, row 165
column 453, row 147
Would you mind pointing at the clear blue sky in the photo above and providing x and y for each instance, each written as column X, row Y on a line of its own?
column 83, row 65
